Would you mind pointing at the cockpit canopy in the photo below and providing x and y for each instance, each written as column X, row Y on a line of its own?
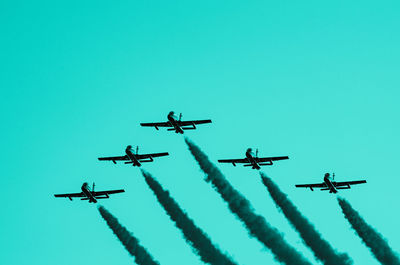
column 171, row 114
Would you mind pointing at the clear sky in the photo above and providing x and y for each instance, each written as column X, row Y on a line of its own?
column 316, row 80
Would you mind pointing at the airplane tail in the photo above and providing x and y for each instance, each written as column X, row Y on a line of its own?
column 266, row 164
column 177, row 131
column 90, row 200
column 343, row 188
column 252, row 166
column 330, row 190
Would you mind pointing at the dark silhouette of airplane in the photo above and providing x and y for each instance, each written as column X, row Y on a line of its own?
column 134, row 158
column 89, row 194
column 254, row 161
column 331, row 185
column 177, row 124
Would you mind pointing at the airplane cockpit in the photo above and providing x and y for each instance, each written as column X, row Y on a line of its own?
column 328, row 176
column 171, row 114
column 249, row 152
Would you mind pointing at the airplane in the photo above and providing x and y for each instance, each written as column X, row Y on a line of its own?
column 89, row 194
column 134, row 158
column 253, row 160
column 331, row 185
column 177, row 124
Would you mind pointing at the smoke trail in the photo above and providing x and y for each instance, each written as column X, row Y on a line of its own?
column 196, row 238
column 130, row 242
column 256, row 225
column 321, row 248
column 371, row 238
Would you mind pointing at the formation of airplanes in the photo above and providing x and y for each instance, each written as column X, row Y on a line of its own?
column 174, row 124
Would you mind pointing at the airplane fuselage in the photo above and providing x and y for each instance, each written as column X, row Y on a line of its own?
column 329, row 184
column 86, row 190
column 174, row 123
column 252, row 161
column 132, row 157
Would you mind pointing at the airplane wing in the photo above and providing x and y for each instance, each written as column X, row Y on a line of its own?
column 144, row 156
column 311, row 186
column 267, row 159
column 156, row 124
column 244, row 160
column 186, row 123
column 106, row 192
column 114, row 158
column 70, row 195
column 348, row 183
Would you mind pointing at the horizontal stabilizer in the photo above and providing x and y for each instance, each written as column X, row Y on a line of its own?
column 130, row 162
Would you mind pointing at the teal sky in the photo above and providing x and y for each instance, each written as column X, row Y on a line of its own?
column 318, row 81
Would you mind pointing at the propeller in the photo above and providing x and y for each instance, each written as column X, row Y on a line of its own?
column 137, row 149
column 333, row 176
column 256, row 152
column 180, row 116
column 93, row 187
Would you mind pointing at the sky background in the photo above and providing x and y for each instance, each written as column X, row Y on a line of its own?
column 317, row 81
